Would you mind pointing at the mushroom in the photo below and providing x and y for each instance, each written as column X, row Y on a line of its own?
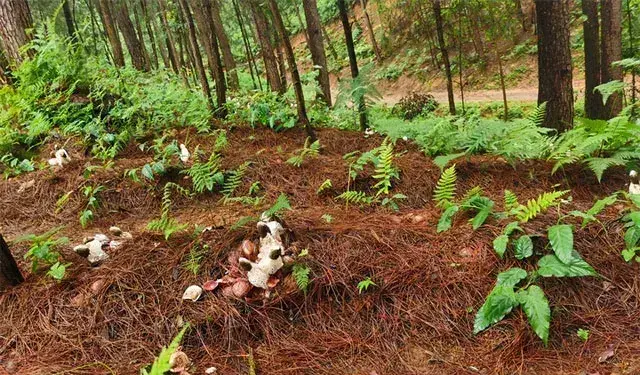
column 184, row 153
column 61, row 157
column 634, row 185
column 258, row 273
column 192, row 293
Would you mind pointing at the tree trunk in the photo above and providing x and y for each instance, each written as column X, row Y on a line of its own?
column 152, row 38
column 145, row 53
column 327, row 37
column 202, row 12
column 293, row 69
column 554, row 63
column 9, row 272
column 247, row 48
column 195, row 50
column 5, row 77
column 68, row 19
column 632, row 46
column 372, row 34
column 593, row 107
column 112, row 33
column 316, row 46
column 305, row 32
column 136, row 49
column 225, row 46
column 15, row 20
column 262, row 29
column 611, row 41
column 502, row 85
column 277, row 42
column 171, row 43
column 353, row 61
column 445, row 55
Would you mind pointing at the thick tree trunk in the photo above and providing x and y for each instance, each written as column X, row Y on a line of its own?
column 353, row 61
column 202, row 12
column 293, row 69
column 593, row 107
column 267, row 50
column 109, row 24
column 554, row 63
column 135, row 47
column 15, row 20
column 225, row 47
column 195, row 50
column 9, row 272
column 611, row 42
column 445, row 55
column 372, row 34
column 316, row 46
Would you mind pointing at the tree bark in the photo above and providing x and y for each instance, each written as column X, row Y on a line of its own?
column 353, row 61
column 593, row 107
column 195, row 50
column 277, row 42
column 138, row 24
column 68, row 19
column 202, row 12
column 109, row 24
column 152, row 38
column 293, row 69
column 136, row 49
column 611, row 50
column 554, row 63
column 9, row 272
column 247, row 47
column 262, row 29
column 445, row 55
column 372, row 34
column 316, row 46
column 225, row 47
column 15, row 20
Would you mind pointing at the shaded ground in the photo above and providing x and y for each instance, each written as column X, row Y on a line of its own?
column 418, row 320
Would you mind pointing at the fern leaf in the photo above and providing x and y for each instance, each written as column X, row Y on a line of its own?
column 445, row 190
column 536, row 117
column 324, row 186
column 234, row 180
column 510, row 201
column 536, row 206
column 355, row 197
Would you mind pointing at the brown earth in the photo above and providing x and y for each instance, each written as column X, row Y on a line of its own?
column 115, row 318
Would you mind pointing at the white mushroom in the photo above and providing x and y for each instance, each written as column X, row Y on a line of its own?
column 259, row 272
column 192, row 293
column 116, row 231
column 96, row 254
column 61, row 158
column 184, row 153
column 634, row 185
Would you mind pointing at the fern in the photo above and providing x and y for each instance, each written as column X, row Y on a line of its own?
column 511, row 202
column 355, row 197
column 384, row 169
column 166, row 224
column 161, row 364
column 308, row 151
column 536, row 206
column 536, row 118
column 281, row 204
column 445, row 190
column 234, row 180
column 324, row 186
column 301, row 276
column 205, row 176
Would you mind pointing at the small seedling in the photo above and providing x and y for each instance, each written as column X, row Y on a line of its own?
column 364, row 285
column 583, row 334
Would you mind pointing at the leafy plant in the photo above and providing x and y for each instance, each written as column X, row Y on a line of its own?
column 583, row 334
column 234, row 180
column 327, row 218
column 534, row 207
column 205, row 176
column 365, row 284
column 43, row 250
column 445, row 190
column 307, row 151
column 161, row 364
column 300, row 274
column 166, row 224
column 91, row 193
column 326, row 184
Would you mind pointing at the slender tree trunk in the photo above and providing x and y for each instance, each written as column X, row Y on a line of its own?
column 293, row 69
column 92, row 17
column 145, row 53
column 267, row 50
column 111, row 31
column 5, row 77
column 305, row 31
column 202, row 11
column 135, row 47
column 9, row 272
column 277, row 41
column 174, row 56
column 225, row 46
column 502, row 85
column 316, row 46
column 327, row 37
column 611, row 41
column 68, row 19
column 632, row 46
column 372, row 34
column 593, row 107
column 15, row 20
column 554, row 63
column 461, row 74
column 445, row 55
column 247, row 47
column 353, row 61
column 195, row 50
column 152, row 38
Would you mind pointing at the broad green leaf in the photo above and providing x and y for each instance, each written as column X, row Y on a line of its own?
column 481, row 216
column 446, row 219
column 586, row 217
column 498, row 304
column 635, row 199
column 147, row 172
column 511, row 277
column 536, row 307
column 631, row 236
column 500, row 244
column 57, row 271
column 609, row 88
column 511, row 227
column 628, row 254
column 550, row 265
column 523, row 247
column 633, row 216
column 442, row 160
column 561, row 238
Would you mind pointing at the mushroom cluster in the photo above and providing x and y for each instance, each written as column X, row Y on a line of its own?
column 93, row 248
column 60, row 158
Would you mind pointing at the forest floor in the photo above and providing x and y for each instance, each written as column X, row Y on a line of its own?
column 418, row 319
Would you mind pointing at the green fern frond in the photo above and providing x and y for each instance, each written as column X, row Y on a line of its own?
column 599, row 165
column 536, row 206
column 445, row 190
column 536, row 117
column 234, row 180
column 205, row 176
column 324, row 186
column 281, row 204
column 474, row 192
column 510, row 201
column 384, row 169
column 161, row 364
column 307, row 151
column 355, row 197
column 301, row 276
